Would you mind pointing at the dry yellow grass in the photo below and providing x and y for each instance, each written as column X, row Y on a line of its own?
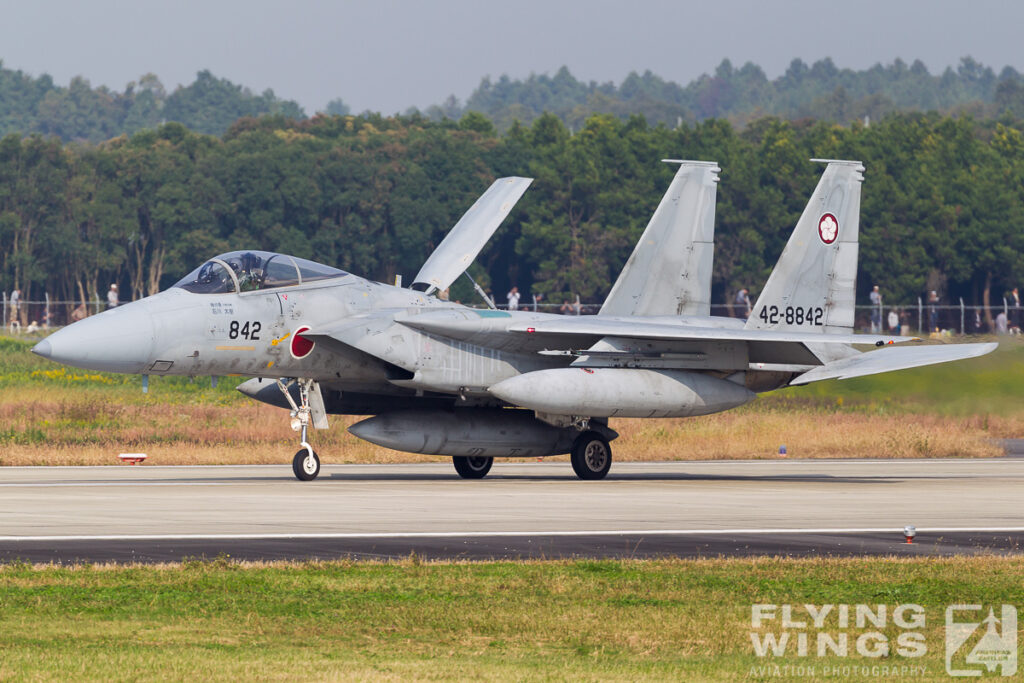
column 73, row 431
column 51, row 415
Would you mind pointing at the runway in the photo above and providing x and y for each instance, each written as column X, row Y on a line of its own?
column 522, row 509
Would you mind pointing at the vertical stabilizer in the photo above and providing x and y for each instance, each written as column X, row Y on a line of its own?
column 812, row 288
column 669, row 272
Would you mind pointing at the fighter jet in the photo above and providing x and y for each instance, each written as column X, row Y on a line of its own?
column 441, row 378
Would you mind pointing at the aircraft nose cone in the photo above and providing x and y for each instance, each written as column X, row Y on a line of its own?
column 118, row 340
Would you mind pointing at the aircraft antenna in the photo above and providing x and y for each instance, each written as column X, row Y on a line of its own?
column 481, row 292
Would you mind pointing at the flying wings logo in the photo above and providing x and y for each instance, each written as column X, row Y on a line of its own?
column 828, row 228
column 974, row 645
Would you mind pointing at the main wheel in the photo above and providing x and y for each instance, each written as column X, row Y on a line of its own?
column 472, row 467
column 306, row 465
column 591, row 456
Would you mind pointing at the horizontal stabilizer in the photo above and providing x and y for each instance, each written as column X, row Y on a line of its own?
column 889, row 359
column 462, row 244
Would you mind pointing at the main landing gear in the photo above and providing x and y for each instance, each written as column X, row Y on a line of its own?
column 591, row 456
column 306, row 463
column 472, row 467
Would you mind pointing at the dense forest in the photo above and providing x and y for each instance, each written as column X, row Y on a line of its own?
column 821, row 90
column 943, row 199
column 79, row 112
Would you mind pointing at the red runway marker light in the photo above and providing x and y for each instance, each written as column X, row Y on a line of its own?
column 530, row 330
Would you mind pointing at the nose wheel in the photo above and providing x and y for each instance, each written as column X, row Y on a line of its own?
column 306, row 464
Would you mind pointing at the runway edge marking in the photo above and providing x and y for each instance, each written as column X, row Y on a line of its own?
column 499, row 534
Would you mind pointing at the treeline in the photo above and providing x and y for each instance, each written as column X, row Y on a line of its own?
column 819, row 91
column 83, row 113
column 943, row 201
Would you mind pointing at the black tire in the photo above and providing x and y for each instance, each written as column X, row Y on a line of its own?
column 304, row 467
column 472, row 467
column 591, row 456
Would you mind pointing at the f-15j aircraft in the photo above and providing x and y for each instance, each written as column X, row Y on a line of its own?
column 474, row 384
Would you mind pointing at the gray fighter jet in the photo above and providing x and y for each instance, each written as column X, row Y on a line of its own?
column 474, row 384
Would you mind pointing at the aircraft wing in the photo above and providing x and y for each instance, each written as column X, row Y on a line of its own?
column 464, row 241
column 887, row 360
column 570, row 335
column 633, row 329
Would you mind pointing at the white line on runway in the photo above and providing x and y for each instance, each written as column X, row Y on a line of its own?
column 91, row 484
column 507, row 534
column 527, row 461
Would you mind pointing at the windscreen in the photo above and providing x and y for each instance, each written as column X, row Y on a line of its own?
column 209, row 278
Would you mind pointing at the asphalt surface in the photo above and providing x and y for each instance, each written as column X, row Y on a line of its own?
column 522, row 509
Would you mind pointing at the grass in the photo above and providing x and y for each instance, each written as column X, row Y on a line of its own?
column 50, row 414
column 621, row 620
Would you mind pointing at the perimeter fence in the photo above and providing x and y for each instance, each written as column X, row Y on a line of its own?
column 914, row 318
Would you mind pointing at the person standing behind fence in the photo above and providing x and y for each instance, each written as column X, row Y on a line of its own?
column 894, row 322
column 1015, row 303
column 112, row 296
column 742, row 303
column 933, row 311
column 513, row 298
column 14, row 323
column 876, row 309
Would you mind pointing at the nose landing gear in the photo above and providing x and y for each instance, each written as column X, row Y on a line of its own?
column 306, row 463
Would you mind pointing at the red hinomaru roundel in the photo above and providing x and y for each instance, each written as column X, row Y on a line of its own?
column 828, row 228
column 300, row 347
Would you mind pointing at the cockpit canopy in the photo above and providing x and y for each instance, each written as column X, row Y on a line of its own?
column 246, row 271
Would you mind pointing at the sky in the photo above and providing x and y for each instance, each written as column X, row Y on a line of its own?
column 388, row 55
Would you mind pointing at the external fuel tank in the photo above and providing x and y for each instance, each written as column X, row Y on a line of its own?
column 622, row 392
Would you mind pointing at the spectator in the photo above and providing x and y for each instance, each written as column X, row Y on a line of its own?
column 1015, row 305
column 32, row 327
column 742, row 303
column 565, row 308
column 513, row 298
column 112, row 296
column 876, row 309
column 79, row 313
column 933, row 311
column 894, row 322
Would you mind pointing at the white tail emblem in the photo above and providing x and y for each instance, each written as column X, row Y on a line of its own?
column 828, row 228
